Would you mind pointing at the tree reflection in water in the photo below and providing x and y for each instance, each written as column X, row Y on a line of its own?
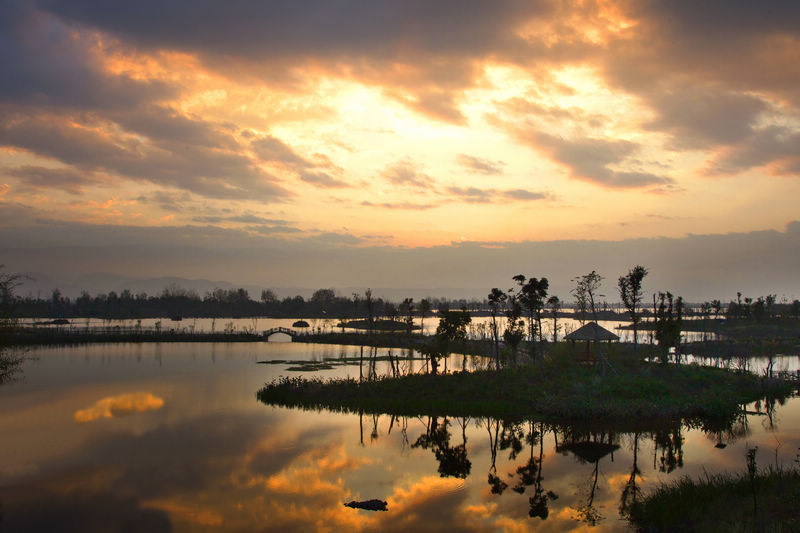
column 453, row 461
column 524, row 441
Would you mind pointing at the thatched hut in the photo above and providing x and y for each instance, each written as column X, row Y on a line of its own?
column 589, row 333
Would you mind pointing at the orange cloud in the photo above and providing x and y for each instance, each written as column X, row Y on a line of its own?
column 117, row 406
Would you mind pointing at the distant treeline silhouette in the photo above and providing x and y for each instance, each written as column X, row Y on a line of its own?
column 177, row 302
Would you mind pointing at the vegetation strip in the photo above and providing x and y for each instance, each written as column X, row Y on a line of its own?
column 548, row 391
column 766, row 501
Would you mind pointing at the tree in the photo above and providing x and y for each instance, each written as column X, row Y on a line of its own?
column 555, row 307
column 515, row 326
column 407, row 309
column 532, row 295
column 370, row 308
column 497, row 300
column 452, row 330
column 424, row 309
column 630, row 291
column 669, row 317
column 9, row 361
column 268, row 297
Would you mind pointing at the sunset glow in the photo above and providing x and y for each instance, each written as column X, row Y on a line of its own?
column 399, row 125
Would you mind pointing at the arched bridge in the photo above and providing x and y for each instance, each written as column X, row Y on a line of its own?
column 286, row 331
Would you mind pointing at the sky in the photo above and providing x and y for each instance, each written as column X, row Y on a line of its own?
column 403, row 144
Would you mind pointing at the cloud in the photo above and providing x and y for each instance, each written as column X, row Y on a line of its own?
column 590, row 159
column 522, row 194
column 273, row 150
column 475, row 195
column 65, row 179
column 699, row 118
column 322, row 179
column 202, row 170
column 774, row 147
column 406, row 173
column 400, row 47
column 411, row 206
column 45, row 63
column 471, row 194
column 117, row 406
column 480, row 165
column 247, row 218
column 689, row 266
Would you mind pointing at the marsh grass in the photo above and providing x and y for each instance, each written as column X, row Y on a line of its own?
column 554, row 391
column 723, row 502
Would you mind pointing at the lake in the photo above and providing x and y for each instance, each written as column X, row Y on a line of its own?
column 480, row 326
column 170, row 437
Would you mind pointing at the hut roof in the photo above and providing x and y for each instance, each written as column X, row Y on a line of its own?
column 587, row 333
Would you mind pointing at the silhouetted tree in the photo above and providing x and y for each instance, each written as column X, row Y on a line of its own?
column 630, row 291
column 497, row 299
column 9, row 361
column 669, row 318
column 407, row 309
column 370, row 308
column 515, row 326
column 532, row 294
column 424, row 309
column 555, row 307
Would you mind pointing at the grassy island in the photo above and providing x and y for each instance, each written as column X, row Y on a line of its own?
column 548, row 391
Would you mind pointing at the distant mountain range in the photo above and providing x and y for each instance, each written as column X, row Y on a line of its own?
column 39, row 285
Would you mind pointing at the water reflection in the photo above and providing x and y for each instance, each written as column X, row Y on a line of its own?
column 212, row 458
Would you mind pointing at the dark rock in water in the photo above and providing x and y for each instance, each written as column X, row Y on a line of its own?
column 60, row 322
column 300, row 324
column 368, row 505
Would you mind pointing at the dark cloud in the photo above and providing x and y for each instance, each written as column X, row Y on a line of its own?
column 773, row 146
column 64, row 179
column 202, row 170
column 273, row 230
column 480, row 165
column 45, row 63
column 590, row 159
column 699, row 118
column 337, row 29
column 689, row 266
column 273, row 150
column 710, row 71
column 337, row 238
column 245, row 219
column 163, row 124
column 401, row 47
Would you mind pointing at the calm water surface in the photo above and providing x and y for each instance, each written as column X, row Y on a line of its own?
column 170, row 437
